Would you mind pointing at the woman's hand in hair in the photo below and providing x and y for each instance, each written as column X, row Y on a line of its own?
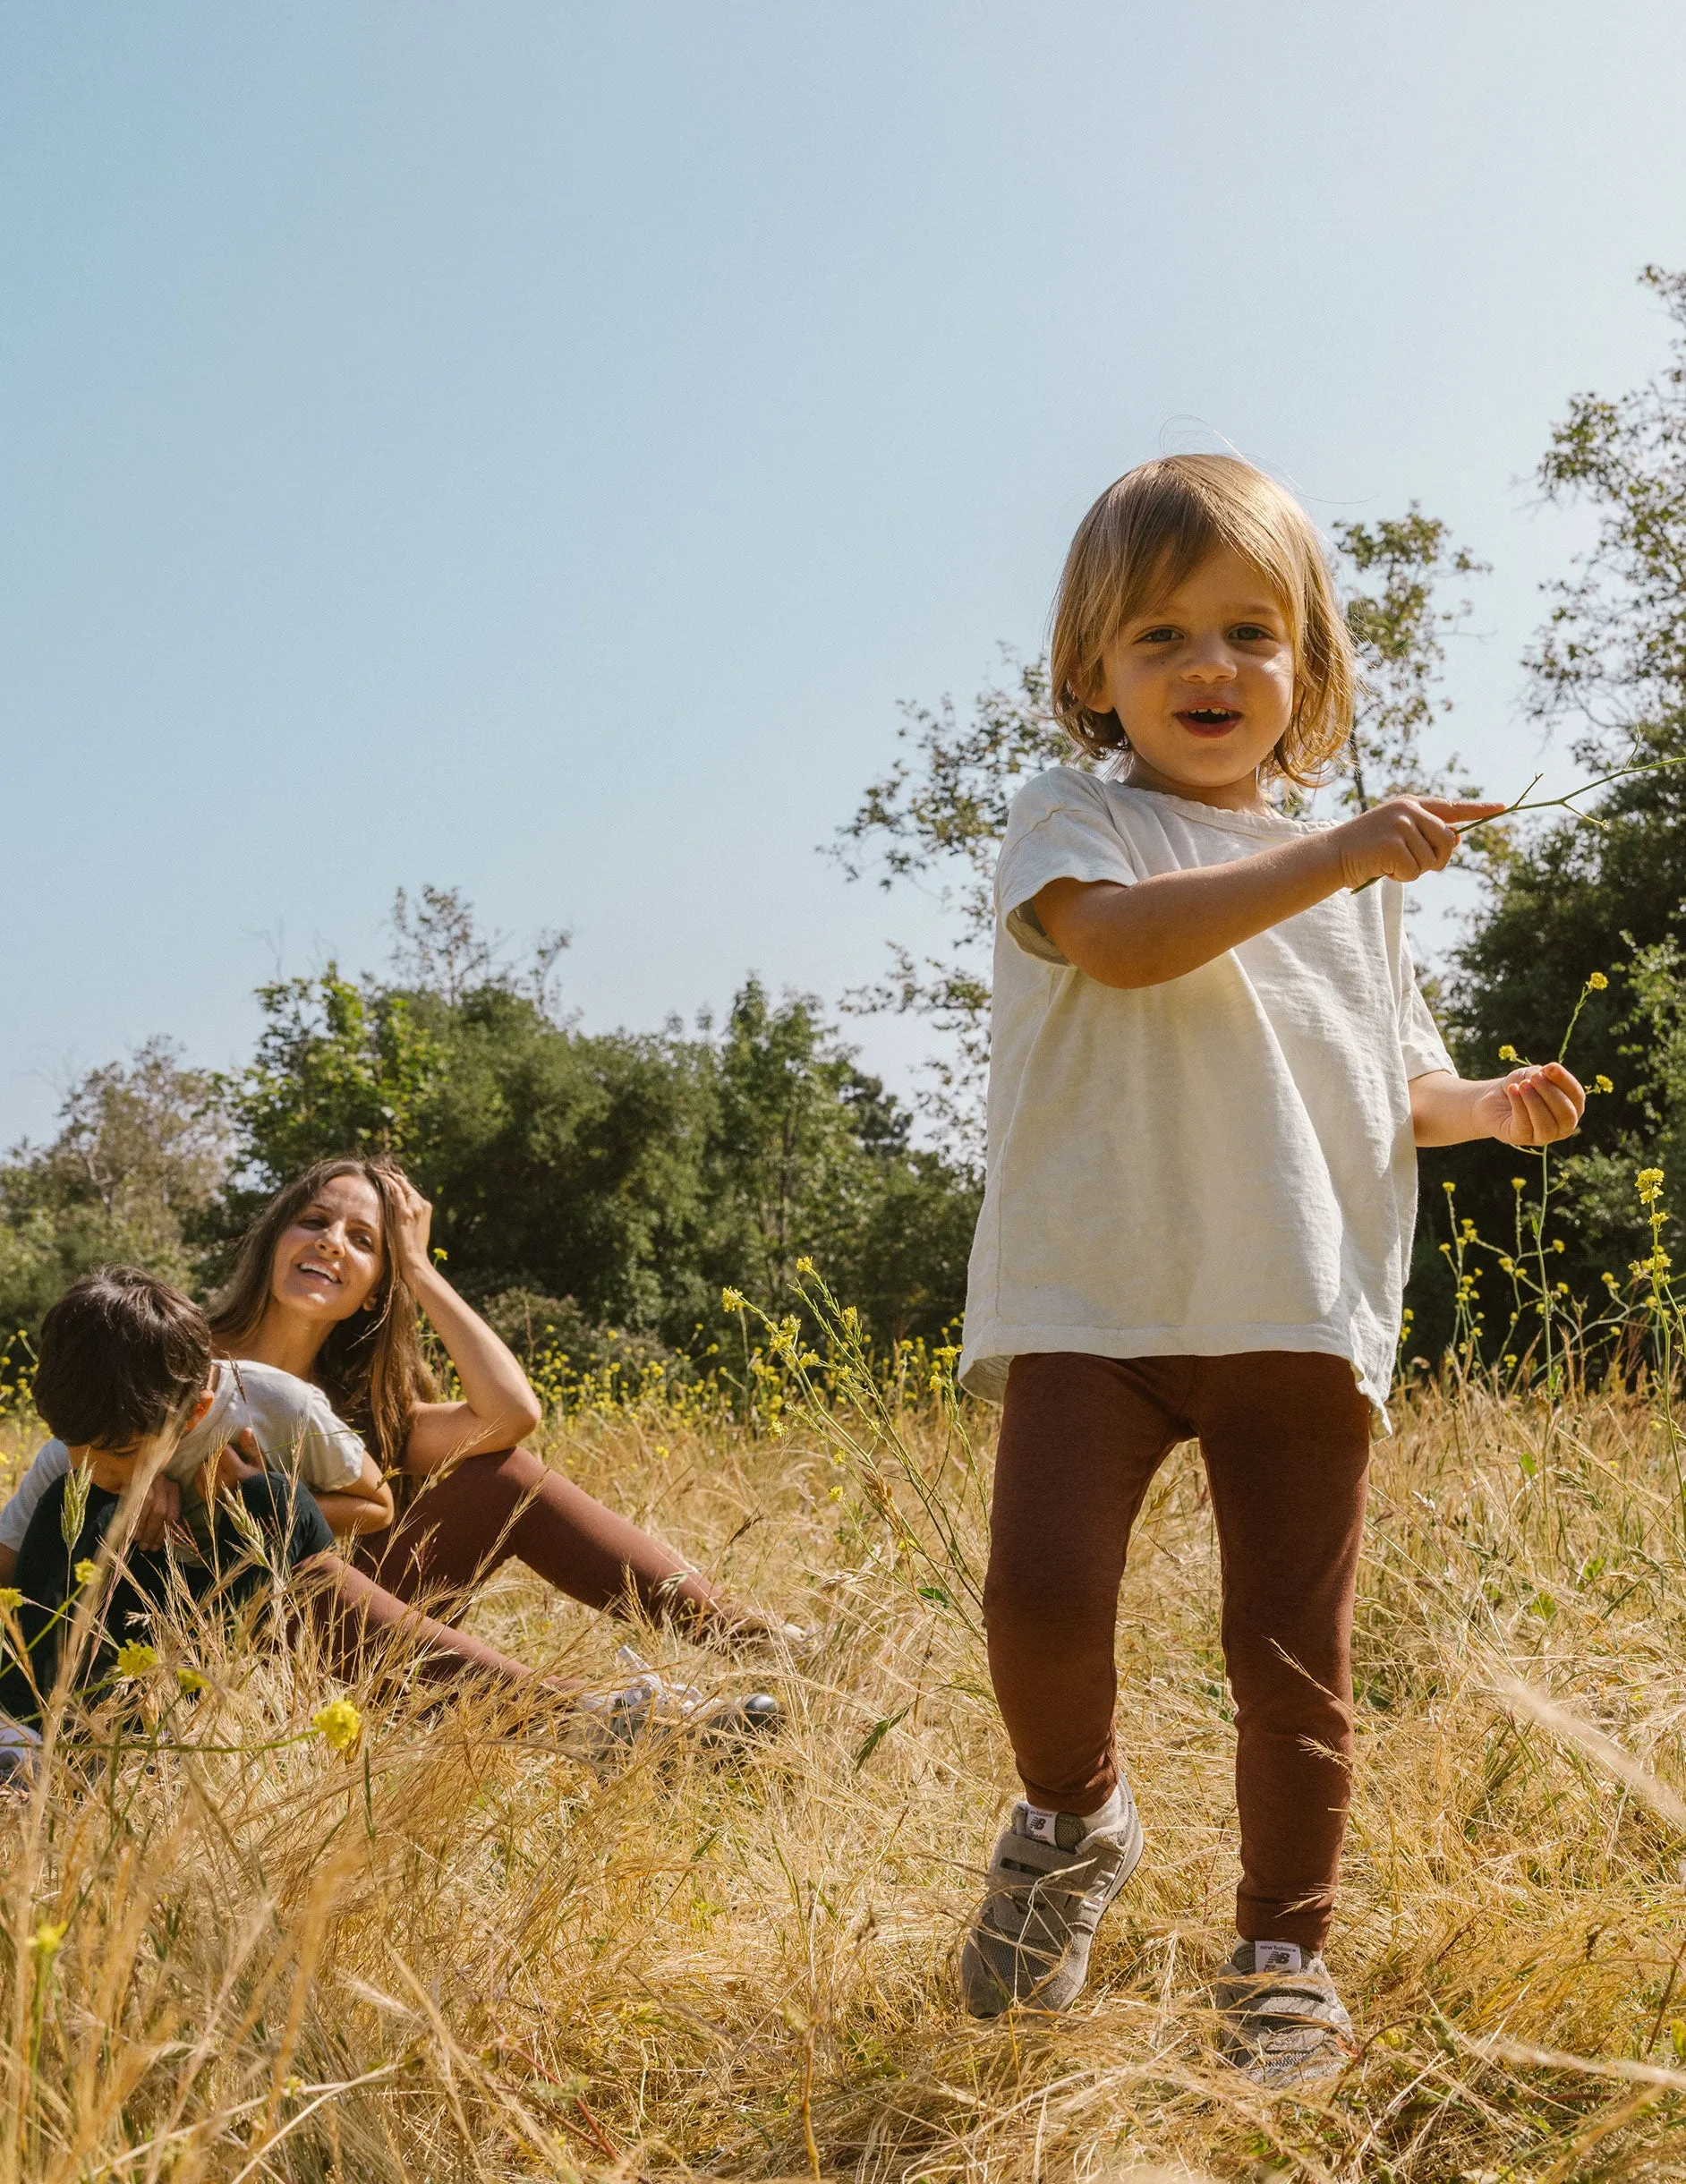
column 498, row 1407
column 410, row 1253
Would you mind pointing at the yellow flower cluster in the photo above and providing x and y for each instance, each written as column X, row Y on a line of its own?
column 10, row 1597
column 1507, row 1053
column 48, row 1936
column 1596, row 981
column 731, row 1299
column 339, row 1723
column 1649, row 1185
column 136, row 1659
column 84, row 1571
column 189, row 1680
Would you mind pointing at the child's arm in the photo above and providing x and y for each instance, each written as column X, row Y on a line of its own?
column 1531, row 1107
column 1161, row 928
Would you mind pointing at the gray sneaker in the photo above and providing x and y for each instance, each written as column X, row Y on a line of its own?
column 1031, row 1938
column 607, row 1726
column 1280, row 2027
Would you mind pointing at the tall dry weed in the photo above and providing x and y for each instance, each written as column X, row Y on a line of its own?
column 452, row 1952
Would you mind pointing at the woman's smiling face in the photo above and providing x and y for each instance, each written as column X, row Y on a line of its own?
column 329, row 1260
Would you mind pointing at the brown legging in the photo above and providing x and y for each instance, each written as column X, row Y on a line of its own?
column 1285, row 1436
column 468, row 1522
column 360, row 1621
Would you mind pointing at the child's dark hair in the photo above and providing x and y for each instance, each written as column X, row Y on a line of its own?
column 122, row 1353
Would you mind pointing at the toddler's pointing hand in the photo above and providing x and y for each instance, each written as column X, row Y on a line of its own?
column 1404, row 838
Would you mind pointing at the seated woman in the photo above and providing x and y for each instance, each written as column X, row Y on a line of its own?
column 326, row 1286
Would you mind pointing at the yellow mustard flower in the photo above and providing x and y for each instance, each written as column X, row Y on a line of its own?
column 1596, row 981
column 1601, row 1083
column 10, row 1597
column 1649, row 1184
column 136, row 1659
column 731, row 1299
column 189, row 1680
column 339, row 1723
column 84, row 1571
column 1507, row 1053
column 804, row 1266
column 48, row 1936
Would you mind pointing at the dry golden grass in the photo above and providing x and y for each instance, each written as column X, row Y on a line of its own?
column 470, row 1959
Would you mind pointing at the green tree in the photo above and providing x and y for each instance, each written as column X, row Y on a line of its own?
column 604, row 1182
column 1569, row 898
column 142, row 1149
column 1393, row 572
column 339, row 1069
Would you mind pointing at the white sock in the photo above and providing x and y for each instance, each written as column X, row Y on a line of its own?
column 1042, row 1823
column 1110, row 1814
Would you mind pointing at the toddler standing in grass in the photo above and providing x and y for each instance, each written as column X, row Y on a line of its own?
column 1211, row 1067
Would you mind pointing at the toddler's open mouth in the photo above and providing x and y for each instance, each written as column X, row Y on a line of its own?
column 1209, row 720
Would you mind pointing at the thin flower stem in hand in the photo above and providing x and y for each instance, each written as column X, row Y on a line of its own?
column 1553, row 803
column 1567, row 803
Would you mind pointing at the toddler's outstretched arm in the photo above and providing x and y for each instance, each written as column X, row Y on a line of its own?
column 1163, row 927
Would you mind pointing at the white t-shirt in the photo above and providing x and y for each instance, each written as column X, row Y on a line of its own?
column 296, row 1428
column 1219, row 1164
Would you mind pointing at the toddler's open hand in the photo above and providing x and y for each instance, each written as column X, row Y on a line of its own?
column 1532, row 1106
column 1404, row 838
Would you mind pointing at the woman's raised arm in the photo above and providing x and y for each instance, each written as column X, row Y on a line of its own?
column 498, row 1407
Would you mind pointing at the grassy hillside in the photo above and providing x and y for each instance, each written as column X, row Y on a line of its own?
column 453, row 1953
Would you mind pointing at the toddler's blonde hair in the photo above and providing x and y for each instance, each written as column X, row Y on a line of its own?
column 1150, row 529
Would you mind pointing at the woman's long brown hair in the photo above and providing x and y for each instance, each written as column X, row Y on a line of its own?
column 371, row 1368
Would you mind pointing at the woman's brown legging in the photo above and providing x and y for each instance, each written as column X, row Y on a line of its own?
column 1285, row 1436
column 466, row 1522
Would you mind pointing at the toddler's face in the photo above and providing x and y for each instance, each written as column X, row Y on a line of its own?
column 1204, row 684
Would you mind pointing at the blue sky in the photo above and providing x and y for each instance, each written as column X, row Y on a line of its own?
column 532, row 449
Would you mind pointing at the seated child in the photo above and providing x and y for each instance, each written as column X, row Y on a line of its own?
column 128, row 1383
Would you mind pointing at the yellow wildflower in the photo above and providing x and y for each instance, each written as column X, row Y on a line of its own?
column 732, row 1300
column 1649, row 1184
column 339, row 1723
column 1507, row 1265
column 46, row 1939
column 189, row 1680
column 1518, row 1183
column 1507, row 1053
column 1601, row 1083
column 804, row 1266
column 1596, row 981
column 84, row 1571
column 136, row 1659
column 10, row 1597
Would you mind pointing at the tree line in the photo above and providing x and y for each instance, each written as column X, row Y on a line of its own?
column 607, row 1187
